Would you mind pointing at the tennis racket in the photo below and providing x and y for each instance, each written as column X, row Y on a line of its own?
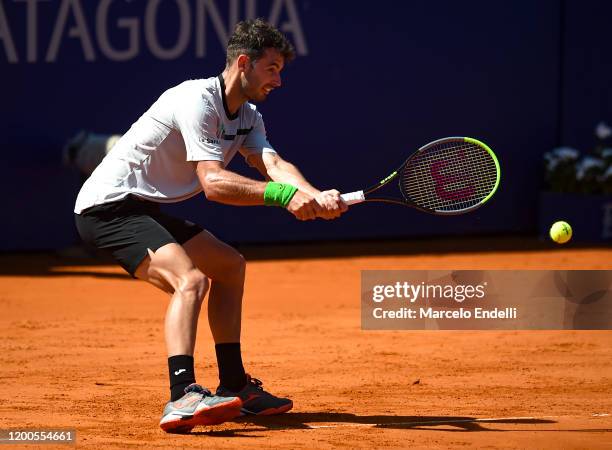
column 454, row 175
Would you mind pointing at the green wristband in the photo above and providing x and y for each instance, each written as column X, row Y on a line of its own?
column 279, row 194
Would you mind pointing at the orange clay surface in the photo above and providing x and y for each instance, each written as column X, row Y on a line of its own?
column 82, row 347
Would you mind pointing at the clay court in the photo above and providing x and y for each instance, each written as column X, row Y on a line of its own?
column 75, row 330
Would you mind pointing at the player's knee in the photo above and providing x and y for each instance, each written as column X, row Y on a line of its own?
column 193, row 285
column 239, row 264
column 231, row 268
column 236, row 267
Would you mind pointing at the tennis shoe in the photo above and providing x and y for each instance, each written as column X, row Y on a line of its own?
column 256, row 401
column 198, row 407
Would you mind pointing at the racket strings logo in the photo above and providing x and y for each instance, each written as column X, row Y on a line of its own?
column 442, row 181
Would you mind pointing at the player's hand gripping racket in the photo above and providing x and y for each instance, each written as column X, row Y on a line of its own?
column 449, row 176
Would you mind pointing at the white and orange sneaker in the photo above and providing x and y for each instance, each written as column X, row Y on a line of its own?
column 198, row 407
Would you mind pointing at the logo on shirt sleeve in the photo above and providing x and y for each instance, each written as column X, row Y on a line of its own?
column 209, row 140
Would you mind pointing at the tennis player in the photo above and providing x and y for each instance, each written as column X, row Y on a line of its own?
column 176, row 149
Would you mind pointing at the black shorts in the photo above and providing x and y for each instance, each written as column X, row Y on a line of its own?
column 127, row 228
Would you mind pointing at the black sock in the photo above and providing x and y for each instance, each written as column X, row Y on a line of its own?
column 182, row 375
column 231, row 371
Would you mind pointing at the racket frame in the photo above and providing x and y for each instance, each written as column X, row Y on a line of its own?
column 362, row 196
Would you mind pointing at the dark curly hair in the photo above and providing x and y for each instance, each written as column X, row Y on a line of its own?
column 253, row 37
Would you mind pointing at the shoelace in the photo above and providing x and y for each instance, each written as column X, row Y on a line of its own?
column 257, row 383
column 199, row 390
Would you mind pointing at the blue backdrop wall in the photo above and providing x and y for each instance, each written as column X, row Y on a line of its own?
column 373, row 81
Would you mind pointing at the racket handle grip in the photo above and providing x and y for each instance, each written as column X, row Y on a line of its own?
column 351, row 198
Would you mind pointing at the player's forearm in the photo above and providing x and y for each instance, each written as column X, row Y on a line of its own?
column 227, row 187
column 286, row 172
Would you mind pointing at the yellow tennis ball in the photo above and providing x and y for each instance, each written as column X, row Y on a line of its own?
column 560, row 232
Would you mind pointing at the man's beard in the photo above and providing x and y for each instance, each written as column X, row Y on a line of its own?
column 256, row 97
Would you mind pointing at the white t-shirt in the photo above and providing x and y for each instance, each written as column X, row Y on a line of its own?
column 154, row 159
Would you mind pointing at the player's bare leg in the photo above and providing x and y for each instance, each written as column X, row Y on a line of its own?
column 225, row 267
column 171, row 269
column 173, row 264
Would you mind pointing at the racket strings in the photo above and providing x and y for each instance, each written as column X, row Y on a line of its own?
column 452, row 187
column 450, row 176
column 449, row 181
